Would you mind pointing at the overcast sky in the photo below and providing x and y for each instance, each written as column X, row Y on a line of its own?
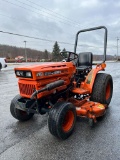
column 59, row 20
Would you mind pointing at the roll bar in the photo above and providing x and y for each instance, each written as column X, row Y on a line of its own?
column 92, row 29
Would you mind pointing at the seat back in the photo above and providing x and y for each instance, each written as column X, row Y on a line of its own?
column 85, row 59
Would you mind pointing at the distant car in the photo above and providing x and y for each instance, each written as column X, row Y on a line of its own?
column 3, row 63
column 19, row 61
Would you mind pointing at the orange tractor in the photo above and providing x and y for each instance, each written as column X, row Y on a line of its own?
column 64, row 90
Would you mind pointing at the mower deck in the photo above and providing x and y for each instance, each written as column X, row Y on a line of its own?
column 89, row 109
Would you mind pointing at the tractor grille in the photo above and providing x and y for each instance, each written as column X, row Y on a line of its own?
column 26, row 89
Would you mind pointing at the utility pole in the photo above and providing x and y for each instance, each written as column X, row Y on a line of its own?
column 117, row 48
column 25, row 51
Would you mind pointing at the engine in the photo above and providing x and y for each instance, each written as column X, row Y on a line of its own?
column 35, row 77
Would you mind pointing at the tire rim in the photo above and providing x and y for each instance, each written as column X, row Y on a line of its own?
column 108, row 91
column 68, row 121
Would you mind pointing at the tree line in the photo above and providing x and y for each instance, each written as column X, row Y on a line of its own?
column 10, row 52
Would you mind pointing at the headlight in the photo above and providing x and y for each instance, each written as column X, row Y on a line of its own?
column 25, row 74
column 28, row 74
column 19, row 73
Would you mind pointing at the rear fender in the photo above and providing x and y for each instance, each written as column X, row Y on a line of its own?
column 89, row 81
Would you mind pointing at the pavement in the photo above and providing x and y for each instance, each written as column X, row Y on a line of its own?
column 31, row 140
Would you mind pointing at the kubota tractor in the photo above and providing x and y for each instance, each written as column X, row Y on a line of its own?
column 64, row 90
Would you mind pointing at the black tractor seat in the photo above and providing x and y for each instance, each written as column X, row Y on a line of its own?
column 84, row 66
column 84, row 61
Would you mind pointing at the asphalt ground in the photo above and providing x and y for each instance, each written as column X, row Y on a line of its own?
column 31, row 140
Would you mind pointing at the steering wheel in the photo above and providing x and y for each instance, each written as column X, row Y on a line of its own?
column 71, row 56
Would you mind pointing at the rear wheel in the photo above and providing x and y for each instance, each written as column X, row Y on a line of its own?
column 61, row 120
column 19, row 114
column 102, row 89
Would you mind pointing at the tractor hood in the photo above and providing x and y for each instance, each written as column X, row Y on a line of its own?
column 45, row 70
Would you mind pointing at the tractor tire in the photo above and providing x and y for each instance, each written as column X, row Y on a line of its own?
column 17, row 113
column 0, row 66
column 62, row 119
column 102, row 89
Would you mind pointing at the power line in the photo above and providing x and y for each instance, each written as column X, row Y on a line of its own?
column 47, row 40
column 53, row 12
column 42, row 39
column 37, row 12
column 34, row 11
column 37, row 9
column 13, row 18
column 56, row 16
column 17, row 19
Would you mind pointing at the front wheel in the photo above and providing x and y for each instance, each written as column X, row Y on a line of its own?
column 17, row 113
column 102, row 89
column 61, row 120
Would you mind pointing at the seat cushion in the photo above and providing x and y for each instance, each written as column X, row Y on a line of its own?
column 85, row 59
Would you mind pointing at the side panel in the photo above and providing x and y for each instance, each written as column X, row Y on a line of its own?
column 89, row 81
